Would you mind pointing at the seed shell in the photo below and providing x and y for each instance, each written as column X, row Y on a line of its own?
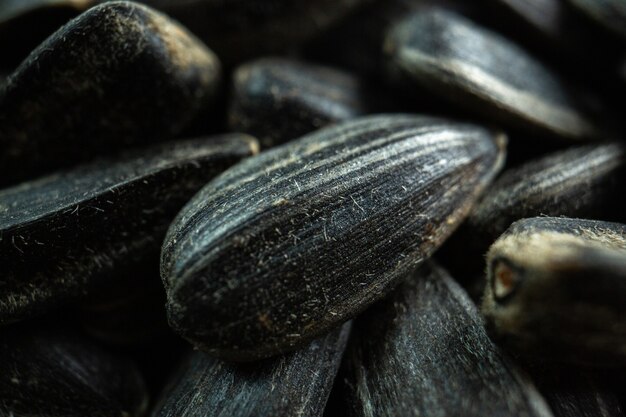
column 580, row 182
column 54, row 373
column 120, row 74
column 438, row 50
column 296, row 384
column 424, row 352
column 557, row 289
column 288, row 245
column 277, row 99
column 64, row 234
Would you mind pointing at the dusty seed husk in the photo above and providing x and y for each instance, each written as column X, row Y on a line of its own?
column 288, row 245
column 64, row 234
column 424, row 352
column 557, row 289
column 119, row 75
column 296, row 384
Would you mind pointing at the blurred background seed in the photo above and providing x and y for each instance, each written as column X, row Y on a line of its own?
column 557, row 290
column 49, row 371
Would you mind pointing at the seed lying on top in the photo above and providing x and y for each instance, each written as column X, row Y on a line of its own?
column 289, row 244
column 277, row 99
column 424, row 352
column 441, row 51
column 557, row 289
column 63, row 235
column 295, row 384
column 120, row 74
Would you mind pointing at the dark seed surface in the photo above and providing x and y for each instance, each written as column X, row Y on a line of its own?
column 296, row 384
column 484, row 72
column 278, row 99
column 120, row 74
column 579, row 182
column 63, row 234
column 557, row 289
column 609, row 13
column 288, row 245
column 572, row 392
column 54, row 373
column 424, row 352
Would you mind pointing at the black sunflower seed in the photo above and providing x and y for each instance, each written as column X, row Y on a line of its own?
column 118, row 75
column 578, row 182
column 55, row 373
column 63, row 234
column 296, row 384
column 557, row 289
column 288, row 245
column 424, row 351
column 449, row 55
column 277, row 99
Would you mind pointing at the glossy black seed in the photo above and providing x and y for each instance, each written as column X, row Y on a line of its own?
column 277, row 99
column 63, row 235
column 483, row 72
column 55, row 373
column 424, row 352
column 288, row 245
column 296, row 384
column 611, row 14
column 557, row 289
column 120, row 74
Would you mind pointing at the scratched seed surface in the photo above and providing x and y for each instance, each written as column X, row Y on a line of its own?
column 119, row 75
column 287, row 245
column 62, row 234
column 424, row 352
column 295, row 384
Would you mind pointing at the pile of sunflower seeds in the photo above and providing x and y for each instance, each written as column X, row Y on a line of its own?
column 312, row 208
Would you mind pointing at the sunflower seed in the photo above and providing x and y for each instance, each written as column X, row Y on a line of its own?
column 455, row 58
column 424, row 352
column 119, row 74
column 296, row 384
column 53, row 373
column 289, row 244
column 277, row 99
column 577, row 182
column 557, row 289
column 64, row 234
